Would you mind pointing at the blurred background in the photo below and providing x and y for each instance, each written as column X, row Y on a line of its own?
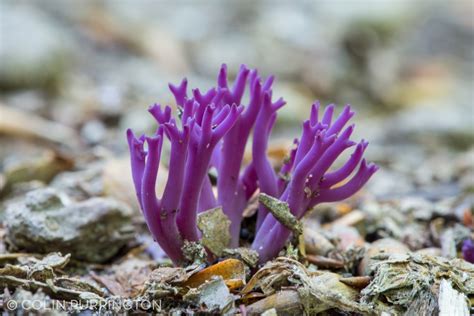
column 78, row 73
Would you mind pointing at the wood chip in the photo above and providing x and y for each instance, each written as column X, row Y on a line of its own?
column 451, row 302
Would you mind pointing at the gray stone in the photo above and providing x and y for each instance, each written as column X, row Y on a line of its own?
column 46, row 221
column 81, row 184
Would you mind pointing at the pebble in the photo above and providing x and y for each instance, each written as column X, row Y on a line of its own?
column 47, row 221
column 386, row 246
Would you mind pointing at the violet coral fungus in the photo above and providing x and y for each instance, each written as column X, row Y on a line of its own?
column 213, row 131
column 468, row 250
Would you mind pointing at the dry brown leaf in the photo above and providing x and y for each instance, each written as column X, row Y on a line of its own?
column 230, row 269
column 132, row 273
column 234, row 284
column 274, row 274
column 110, row 284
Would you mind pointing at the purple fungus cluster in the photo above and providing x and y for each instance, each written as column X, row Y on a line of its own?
column 468, row 250
column 212, row 130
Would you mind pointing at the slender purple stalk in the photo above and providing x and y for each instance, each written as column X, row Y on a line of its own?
column 200, row 152
column 468, row 250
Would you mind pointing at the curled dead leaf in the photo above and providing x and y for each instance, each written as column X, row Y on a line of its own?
column 230, row 269
column 234, row 284
column 274, row 274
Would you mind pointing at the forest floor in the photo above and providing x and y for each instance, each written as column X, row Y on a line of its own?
column 72, row 237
